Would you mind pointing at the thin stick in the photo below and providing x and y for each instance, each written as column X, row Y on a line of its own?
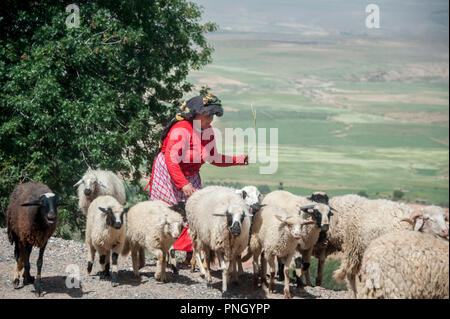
column 254, row 124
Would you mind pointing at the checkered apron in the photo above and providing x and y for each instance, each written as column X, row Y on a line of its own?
column 163, row 188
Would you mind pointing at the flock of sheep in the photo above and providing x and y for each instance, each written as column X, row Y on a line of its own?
column 389, row 249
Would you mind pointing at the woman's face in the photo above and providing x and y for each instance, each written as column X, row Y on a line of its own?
column 205, row 119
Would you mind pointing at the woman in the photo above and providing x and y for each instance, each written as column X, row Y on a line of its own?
column 186, row 144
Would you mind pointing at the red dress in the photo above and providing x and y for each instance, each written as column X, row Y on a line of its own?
column 183, row 152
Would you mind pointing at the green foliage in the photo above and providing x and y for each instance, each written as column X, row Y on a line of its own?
column 397, row 194
column 233, row 185
column 328, row 281
column 363, row 194
column 97, row 95
column 204, row 90
column 264, row 189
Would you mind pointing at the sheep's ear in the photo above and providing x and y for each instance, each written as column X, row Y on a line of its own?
column 242, row 193
column 179, row 207
column 125, row 210
column 418, row 224
column 306, row 209
column 78, row 183
column 333, row 209
column 104, row 210
column 163, row 222
column 257, row 206
column 281, row 219
column 101, row 184
column 33, row 203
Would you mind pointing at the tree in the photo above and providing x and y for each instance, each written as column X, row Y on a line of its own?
column 363, row 193
column 94, row 96
column 397, row 195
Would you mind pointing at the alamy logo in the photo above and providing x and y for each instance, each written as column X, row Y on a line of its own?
column 373, row 19
column 73, row 20
column 264, row 153
column 73, row 279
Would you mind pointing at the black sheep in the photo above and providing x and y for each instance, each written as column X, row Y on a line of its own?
column 31, row 219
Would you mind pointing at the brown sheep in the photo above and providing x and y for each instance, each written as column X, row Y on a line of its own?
column 31, row 219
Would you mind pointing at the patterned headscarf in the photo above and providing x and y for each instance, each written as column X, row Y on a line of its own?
column 208, row 104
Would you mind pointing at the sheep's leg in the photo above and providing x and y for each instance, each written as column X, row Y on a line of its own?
column 200, row 263
column 163, row 267
column 306, row 259
column 135, row 260
column 141, row 257
column 255, row 270
column 208, row 268
column 287, row 294
column 19, row 256
column 320, row 267
column 91, row 258
column 280, row 269
column 104, row 271
column 224, row 267
column 239, row 265
column 271, row 261
column 37, row 285
column 234, row 272
column 352, row 283
column 115, row 268
column 160, row 265
column 172, row 260
column 108, row 265
column 298, row 263
column 27, row 278
column 194, row 258
column 263, row 271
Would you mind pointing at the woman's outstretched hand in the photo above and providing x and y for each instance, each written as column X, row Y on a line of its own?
column 188, row 189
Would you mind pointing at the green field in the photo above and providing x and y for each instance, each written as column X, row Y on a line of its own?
column 353, row 114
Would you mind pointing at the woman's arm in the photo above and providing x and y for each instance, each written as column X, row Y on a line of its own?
column 221, row 160
column 178, row 141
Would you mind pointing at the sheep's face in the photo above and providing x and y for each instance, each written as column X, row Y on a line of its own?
column 252, row 197
column 320, row 213
column 180, row 208
column 48, row 207
column 90, row 183
column 250, row 194
column 114, row 216
column 432, row 221
column 319, row 197
column 174, row 229
column 235, row 218
column 293, row 224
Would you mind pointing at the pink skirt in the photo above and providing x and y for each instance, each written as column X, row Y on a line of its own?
column 163, row 188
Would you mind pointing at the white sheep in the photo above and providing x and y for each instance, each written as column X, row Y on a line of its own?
column 95, row 183
column 153, row 225
column 332, row 241
column 253, row 197
column 105, row 232
column 275, row 233
column 374, row 218
column 405, row 265
column 319, row 212
column 219, row 221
